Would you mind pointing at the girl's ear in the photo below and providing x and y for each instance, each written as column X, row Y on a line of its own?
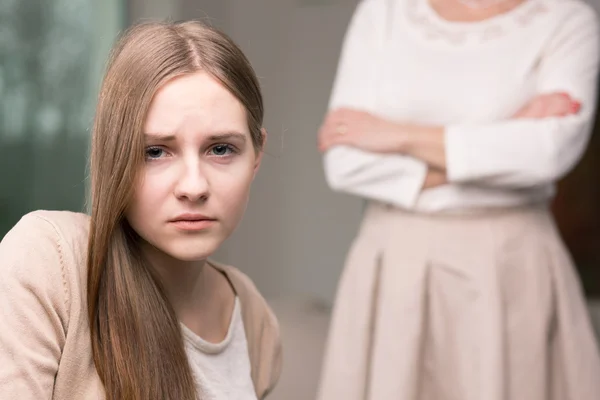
column 259, row 156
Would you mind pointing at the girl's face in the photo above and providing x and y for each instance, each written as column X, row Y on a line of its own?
column 200, row 163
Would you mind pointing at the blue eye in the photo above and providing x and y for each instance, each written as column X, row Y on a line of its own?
column 221, row 150
column 153, row 153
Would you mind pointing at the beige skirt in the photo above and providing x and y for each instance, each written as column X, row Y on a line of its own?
column 478, row 307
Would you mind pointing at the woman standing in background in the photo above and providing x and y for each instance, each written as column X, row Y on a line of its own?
column 455, row 118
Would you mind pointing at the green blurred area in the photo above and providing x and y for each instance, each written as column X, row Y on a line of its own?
column 52, row 56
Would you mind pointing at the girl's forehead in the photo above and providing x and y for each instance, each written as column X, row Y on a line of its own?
column 196, row 100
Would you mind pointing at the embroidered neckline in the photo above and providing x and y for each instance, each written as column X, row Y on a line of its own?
column 423, row 17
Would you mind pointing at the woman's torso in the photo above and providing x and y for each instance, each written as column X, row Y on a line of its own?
column 437, row 72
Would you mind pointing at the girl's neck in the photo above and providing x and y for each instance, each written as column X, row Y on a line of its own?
column 201, row 296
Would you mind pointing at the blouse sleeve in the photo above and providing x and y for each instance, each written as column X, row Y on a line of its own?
column 526, row 152
column 33, row 310
column 395, row 179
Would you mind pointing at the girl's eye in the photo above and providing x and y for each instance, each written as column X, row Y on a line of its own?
column 153, row 153
column 221, row 150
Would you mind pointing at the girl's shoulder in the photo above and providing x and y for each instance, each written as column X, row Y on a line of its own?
column 254, row 305
column 46, row 251
column 42, row 262
column 48, row 234
column 44, row 222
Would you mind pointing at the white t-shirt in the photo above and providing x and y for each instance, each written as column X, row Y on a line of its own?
column 402, row 61
column 222, row 370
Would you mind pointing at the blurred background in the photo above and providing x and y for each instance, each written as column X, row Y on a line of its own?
column 296, row 232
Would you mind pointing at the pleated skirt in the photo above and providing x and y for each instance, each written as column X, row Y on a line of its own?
column 460, row 307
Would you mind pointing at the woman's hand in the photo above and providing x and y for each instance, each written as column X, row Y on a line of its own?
column 549, row 105
column 435, row 177
column 367, row 132
column 359, row 129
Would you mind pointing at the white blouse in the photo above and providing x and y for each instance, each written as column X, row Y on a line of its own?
column 402, row 61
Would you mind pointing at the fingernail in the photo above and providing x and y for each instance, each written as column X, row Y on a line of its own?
column 576, row 106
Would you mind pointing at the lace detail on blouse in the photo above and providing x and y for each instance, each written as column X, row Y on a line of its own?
column 431, row 26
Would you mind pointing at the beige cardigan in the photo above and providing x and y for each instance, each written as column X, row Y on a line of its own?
column 45, row 349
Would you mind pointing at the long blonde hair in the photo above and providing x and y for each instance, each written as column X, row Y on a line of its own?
column 136, row 340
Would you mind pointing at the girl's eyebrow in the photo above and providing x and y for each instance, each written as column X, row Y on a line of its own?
column 227, row 135
column 213, row 137
column 159, row 137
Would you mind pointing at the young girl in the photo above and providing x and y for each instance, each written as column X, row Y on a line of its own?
column 125, row 304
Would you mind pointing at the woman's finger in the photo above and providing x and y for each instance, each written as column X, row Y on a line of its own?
column 560, row 105
column 549, row 105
